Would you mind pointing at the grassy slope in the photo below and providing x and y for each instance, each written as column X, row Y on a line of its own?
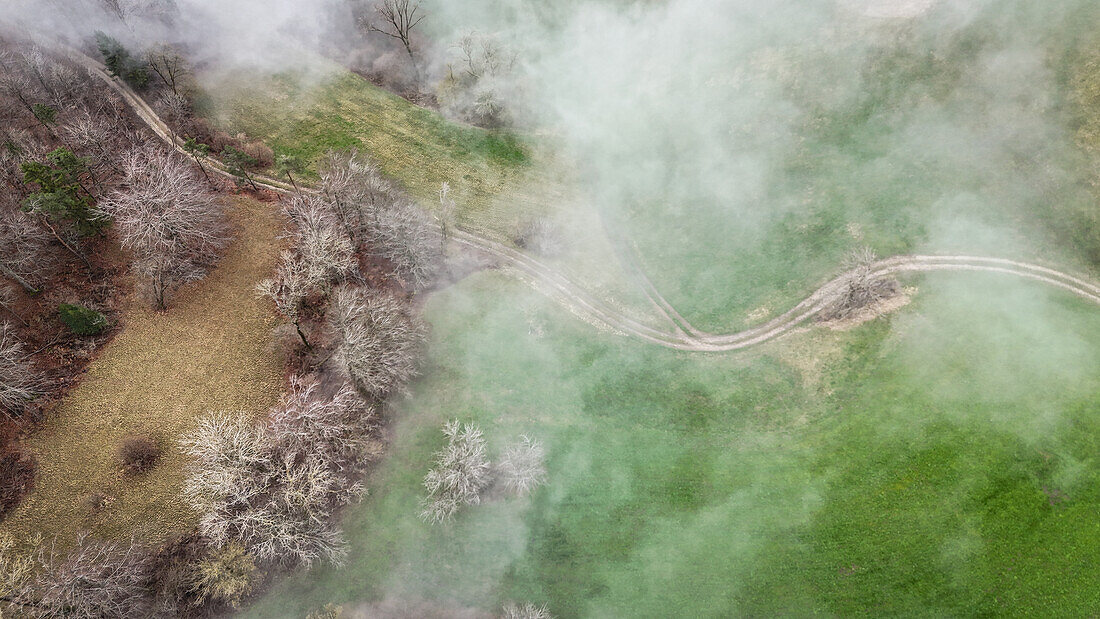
column 917, row 470
column 490, row 172
column 500, row 181
column 209, row 351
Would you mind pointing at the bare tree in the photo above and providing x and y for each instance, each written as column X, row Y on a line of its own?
column 379, row 340
column 326, row 252
column 462, row 470
column 94, row 580
column 520, row 469
column 17, row 571
column 233, row 462
column 19, row 382
column 446, row 216
column 405, row 235
column 527, row 610
column 294, row 525
column 165, row 215
column 355, row 192
column 170, row 67
column 862, row 287
column 338, row 430
column 321, row 256
column 289, row 289
column 277, row 502
column 25, row 255
column 8, row 298
column 476, row 91
column 396, row 19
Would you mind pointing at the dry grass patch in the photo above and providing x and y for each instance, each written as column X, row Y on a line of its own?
column 210, row 350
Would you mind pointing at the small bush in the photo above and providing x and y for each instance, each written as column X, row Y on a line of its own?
column 461, row 471
column 139, row 454
column 528, row 610
column 226, row 575
column 82, row 320
column 262, row 153
column 520, row 470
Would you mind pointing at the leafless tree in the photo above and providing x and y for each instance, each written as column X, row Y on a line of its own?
column 93, row 580
column 170, row 67
column 289, row 289
column 355, row 191
column 527, row 610
column 379, row 339
column 326, row 252
column 233, row 461
column 462, row 470
column 25, row 256
column 541, row 236
column 405, row 235
column 167, row 217
column 397, row 19
column 8, row 299
column 446, row 216
column 174, row 107
column 278, row 503
column 19, row 382
column 520, row 469
column 103, row 137
column 480, row 81
column 294, row 524
column 862, row 288
column 372, row 211
column 17, row 570
column 337, row 430
column 321, row 256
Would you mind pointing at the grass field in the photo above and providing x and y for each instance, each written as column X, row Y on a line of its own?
column 960, row 142
column 936, row 462
column 210, row 351
column 915, row 470
column 497, row 178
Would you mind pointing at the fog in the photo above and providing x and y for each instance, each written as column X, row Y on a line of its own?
column 743, row 147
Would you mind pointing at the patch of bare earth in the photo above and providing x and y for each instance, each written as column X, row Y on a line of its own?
column 872, row 311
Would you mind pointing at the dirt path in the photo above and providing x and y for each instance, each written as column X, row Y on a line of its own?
column 682, row 335
column 210, row 350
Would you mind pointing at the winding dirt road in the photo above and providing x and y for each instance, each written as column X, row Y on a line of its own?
column 681, row 335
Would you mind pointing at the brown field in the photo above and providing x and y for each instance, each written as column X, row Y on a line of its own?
column 210, row 350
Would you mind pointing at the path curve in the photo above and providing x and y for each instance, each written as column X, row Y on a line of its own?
column 590, row 308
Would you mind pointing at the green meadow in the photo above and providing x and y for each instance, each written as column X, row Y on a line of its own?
column 916, row 469
column 940, row 460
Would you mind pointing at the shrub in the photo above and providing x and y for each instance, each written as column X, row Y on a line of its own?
column 139, row 454
column 461, row 471
column 328, row 611
column 225, row 576
column 82, row 320
column 528, row 610
column 520, row 469
column 19, row 383
column 262, row 154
